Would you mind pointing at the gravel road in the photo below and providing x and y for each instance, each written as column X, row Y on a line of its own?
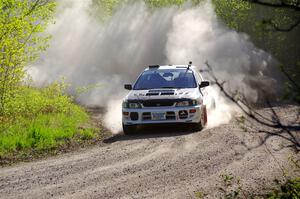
column 162, row 163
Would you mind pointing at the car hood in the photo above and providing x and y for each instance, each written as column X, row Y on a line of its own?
column 190, row 93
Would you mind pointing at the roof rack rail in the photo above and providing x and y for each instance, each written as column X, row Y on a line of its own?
column 154, row 66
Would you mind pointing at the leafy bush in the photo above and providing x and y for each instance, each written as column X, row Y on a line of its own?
column 41, row 119
column 232, row 12
column 29, row 102
column 290, row 190
column 21, row 23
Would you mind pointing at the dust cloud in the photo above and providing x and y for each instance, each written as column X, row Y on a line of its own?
column 87, row 51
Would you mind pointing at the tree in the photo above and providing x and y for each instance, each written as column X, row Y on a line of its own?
column 280, row 26
column 232, row 12
column 288, row 5
column 22, row 23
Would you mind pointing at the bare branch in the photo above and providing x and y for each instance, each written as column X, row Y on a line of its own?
column 281, row 4
column 248, row 111
column 275, row 123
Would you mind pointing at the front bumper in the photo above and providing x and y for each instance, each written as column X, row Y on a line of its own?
column 190, row 114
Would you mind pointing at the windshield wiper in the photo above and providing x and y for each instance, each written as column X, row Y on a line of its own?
column 167, row 87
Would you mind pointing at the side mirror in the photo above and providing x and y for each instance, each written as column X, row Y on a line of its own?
column 128, row 86
column 204, row 84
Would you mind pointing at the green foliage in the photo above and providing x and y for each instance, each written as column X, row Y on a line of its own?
column 227, row 179
column 162, row 3
column 231, row 188
column 199, row 194
column 42, row 119
column 290, row 190
column 276, row 18
column 292, row 87
column 269, row 30
column 29, row 102
column 21, row 23
column 105, row 7
column 87, row 134
column 232, row 12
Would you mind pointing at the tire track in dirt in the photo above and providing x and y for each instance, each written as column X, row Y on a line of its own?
column 159, row 164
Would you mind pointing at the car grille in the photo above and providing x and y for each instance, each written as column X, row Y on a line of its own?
column 170, row 115
column 146, row 116
column 158, row 103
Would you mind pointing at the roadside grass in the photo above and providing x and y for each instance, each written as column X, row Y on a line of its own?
column 42, row 120
column 291, row 187
column 291, row 190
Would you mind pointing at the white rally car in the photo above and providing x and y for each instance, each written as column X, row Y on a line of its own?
column 164, row 95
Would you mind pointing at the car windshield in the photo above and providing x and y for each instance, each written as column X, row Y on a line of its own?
column 166, row 78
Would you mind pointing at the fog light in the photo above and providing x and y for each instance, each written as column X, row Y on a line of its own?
column 126, row 113
column 193, row 110
column 134, row 116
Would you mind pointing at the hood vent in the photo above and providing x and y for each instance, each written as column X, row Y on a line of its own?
column 160, row 92
column 167, row 93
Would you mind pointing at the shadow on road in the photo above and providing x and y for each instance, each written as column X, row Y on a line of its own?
column 152, row 131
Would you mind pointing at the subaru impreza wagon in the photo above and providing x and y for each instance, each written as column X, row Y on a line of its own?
column 164, row 95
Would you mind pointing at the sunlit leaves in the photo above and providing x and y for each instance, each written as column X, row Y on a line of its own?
column 21, row 41
column 232, row 12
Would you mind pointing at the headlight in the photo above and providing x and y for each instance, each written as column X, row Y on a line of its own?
column 134, row 105
column 187, row 103
column 183, row 103
column 194, row 102
column 131, row 105
column 125, row 104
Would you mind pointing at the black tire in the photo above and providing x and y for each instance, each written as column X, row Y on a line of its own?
column 197, row 126
column 129, row 129
column 203, row 121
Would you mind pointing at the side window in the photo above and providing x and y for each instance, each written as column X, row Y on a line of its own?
column 198, row 77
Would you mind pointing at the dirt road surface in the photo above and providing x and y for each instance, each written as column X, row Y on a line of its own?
column 162, row 163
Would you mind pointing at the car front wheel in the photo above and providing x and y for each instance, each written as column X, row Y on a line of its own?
column 197, row 126
column 203, row 121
